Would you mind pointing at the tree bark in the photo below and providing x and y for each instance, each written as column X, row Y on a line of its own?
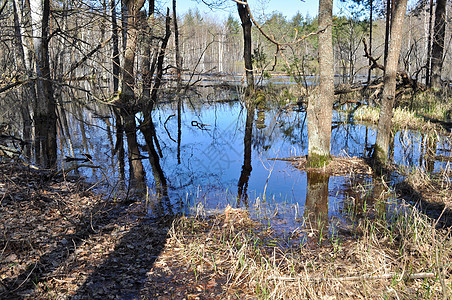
column 385, row 121
column 387, row 29
column 115, row 45
column 27, row 92
column 44, row 109
column 247, row 56
column 147, row 74
column 128, row 78
column 320, row 106
column 369, row 74
column 128, row 100
column 176, row 48
column 429, row 46
column 438, row 43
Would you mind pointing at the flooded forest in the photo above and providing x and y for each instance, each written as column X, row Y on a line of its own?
column 152, row 153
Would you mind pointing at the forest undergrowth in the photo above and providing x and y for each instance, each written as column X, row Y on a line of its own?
column 60, row 240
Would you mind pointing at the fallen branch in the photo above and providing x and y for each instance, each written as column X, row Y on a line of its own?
column 359, row 88
column 356, row 278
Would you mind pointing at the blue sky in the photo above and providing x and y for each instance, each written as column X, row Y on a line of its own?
column 287, row 7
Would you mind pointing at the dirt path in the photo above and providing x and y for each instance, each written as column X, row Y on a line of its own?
column 59, row 241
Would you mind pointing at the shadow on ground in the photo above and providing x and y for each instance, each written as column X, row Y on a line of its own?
column 103, row 250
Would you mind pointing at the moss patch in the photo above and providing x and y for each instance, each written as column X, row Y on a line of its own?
column 318, row 161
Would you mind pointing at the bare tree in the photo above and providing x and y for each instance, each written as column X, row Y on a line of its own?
column 176, row 48
column 28, row 92
column 115, row 46
column 429, row 46
column 147, row 53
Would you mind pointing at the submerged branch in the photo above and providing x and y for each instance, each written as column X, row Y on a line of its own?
column 66, row 171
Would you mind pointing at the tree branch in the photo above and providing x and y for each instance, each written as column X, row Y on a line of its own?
column 355, row 278
column 374, row 61
column 271, row 38
column 87, row 56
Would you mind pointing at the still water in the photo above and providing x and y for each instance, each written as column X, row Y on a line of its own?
column 204, row 156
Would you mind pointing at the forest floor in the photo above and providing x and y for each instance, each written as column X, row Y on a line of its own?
column 61, row 240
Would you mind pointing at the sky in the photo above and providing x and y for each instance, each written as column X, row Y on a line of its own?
column 287, row 7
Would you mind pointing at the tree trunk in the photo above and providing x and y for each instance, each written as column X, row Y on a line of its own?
column 385, row 121
column 438, row 43
column 429, row 46
column 387, row 29
column 128, row 75
column 27, row 92
column 160, row 59
column 176, row 48
column 119, row 146
column 369, row 74
column 161, row 185
column 44, row 108
column 246, row 25
column 320, row 106
column 128, row 100
column 115, row 45
column 146, row 66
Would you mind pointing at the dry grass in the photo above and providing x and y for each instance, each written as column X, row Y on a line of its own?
column 432, row 106
column 368, row 114
column 402, row 119
column 401, row 257
column 435, row 187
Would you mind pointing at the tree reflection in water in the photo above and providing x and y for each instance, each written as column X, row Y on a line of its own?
column 160, row 205
column 316, row 209
column 242, row 187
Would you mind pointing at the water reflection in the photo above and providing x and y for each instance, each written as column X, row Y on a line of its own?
column 316, row 207
column 119, row 146
column 230, row 162
column 160, row 204
column 242, row 194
